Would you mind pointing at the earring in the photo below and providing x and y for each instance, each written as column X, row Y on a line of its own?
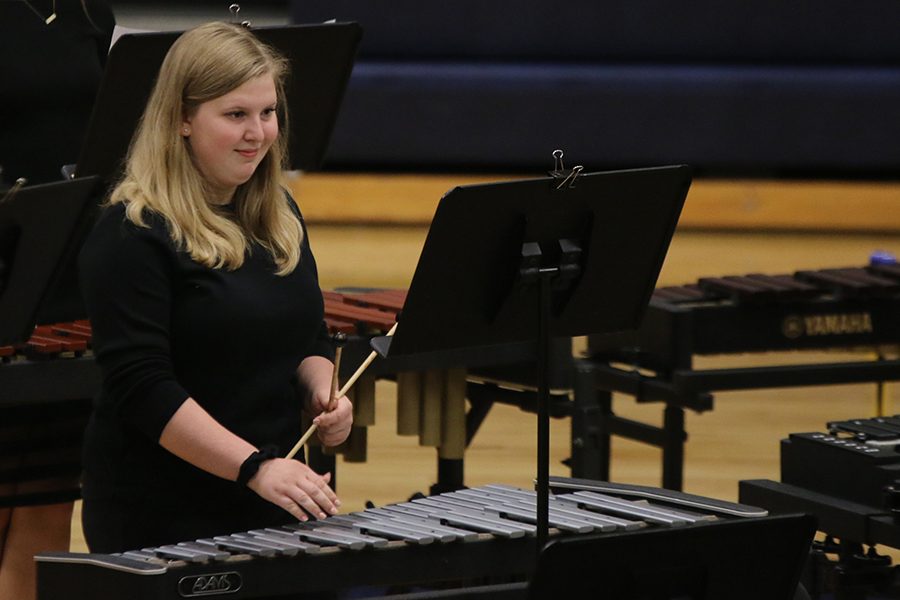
column 185, row 131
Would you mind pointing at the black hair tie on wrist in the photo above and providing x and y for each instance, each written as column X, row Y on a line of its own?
column 251, row 465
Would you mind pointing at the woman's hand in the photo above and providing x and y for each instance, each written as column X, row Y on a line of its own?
column 195, row 436
column 332, row 426
column 296, row 488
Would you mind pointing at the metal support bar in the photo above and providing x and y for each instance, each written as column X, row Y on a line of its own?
column 673, row 448
column 480, row 404
column 646, row 388
column 641, row 432
column 691, row 382
column 589, row 427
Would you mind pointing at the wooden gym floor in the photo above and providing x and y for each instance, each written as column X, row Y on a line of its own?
column 757, row 227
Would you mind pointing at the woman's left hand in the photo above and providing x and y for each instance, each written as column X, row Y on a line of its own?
column 332, row 426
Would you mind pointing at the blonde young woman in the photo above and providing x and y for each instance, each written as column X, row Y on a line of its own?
column 207, row 314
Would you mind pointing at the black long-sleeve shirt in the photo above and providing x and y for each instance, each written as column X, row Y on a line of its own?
column 166, row 328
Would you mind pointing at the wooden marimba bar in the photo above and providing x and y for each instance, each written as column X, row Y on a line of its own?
column 363, row 313
column 53, row 341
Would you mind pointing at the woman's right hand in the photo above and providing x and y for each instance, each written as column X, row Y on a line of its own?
column 296, row 488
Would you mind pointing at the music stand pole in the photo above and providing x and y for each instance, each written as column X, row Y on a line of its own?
column 543, row 425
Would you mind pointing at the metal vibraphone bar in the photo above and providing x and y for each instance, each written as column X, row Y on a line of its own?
column 469, row 535
column 845, row 308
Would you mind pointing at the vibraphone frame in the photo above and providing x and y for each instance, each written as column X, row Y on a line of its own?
column 473, row 559
column 397, row 564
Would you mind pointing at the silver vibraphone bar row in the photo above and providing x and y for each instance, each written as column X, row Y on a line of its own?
column 462, row 535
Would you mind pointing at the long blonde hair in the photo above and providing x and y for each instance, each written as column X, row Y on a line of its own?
column 160, row 176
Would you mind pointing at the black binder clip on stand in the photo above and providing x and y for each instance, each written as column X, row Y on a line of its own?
column 585, row 257
column 560, row 174
column 235, row 9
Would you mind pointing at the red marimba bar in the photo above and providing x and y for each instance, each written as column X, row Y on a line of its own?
column 365, row 313
column 50, row 340
column 361, row 315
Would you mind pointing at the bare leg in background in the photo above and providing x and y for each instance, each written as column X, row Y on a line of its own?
column 24, row 532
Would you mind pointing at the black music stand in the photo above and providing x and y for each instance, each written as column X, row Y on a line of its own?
column 41, row 228
column 523, row 261
column 739, row 560
column 321, row 59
